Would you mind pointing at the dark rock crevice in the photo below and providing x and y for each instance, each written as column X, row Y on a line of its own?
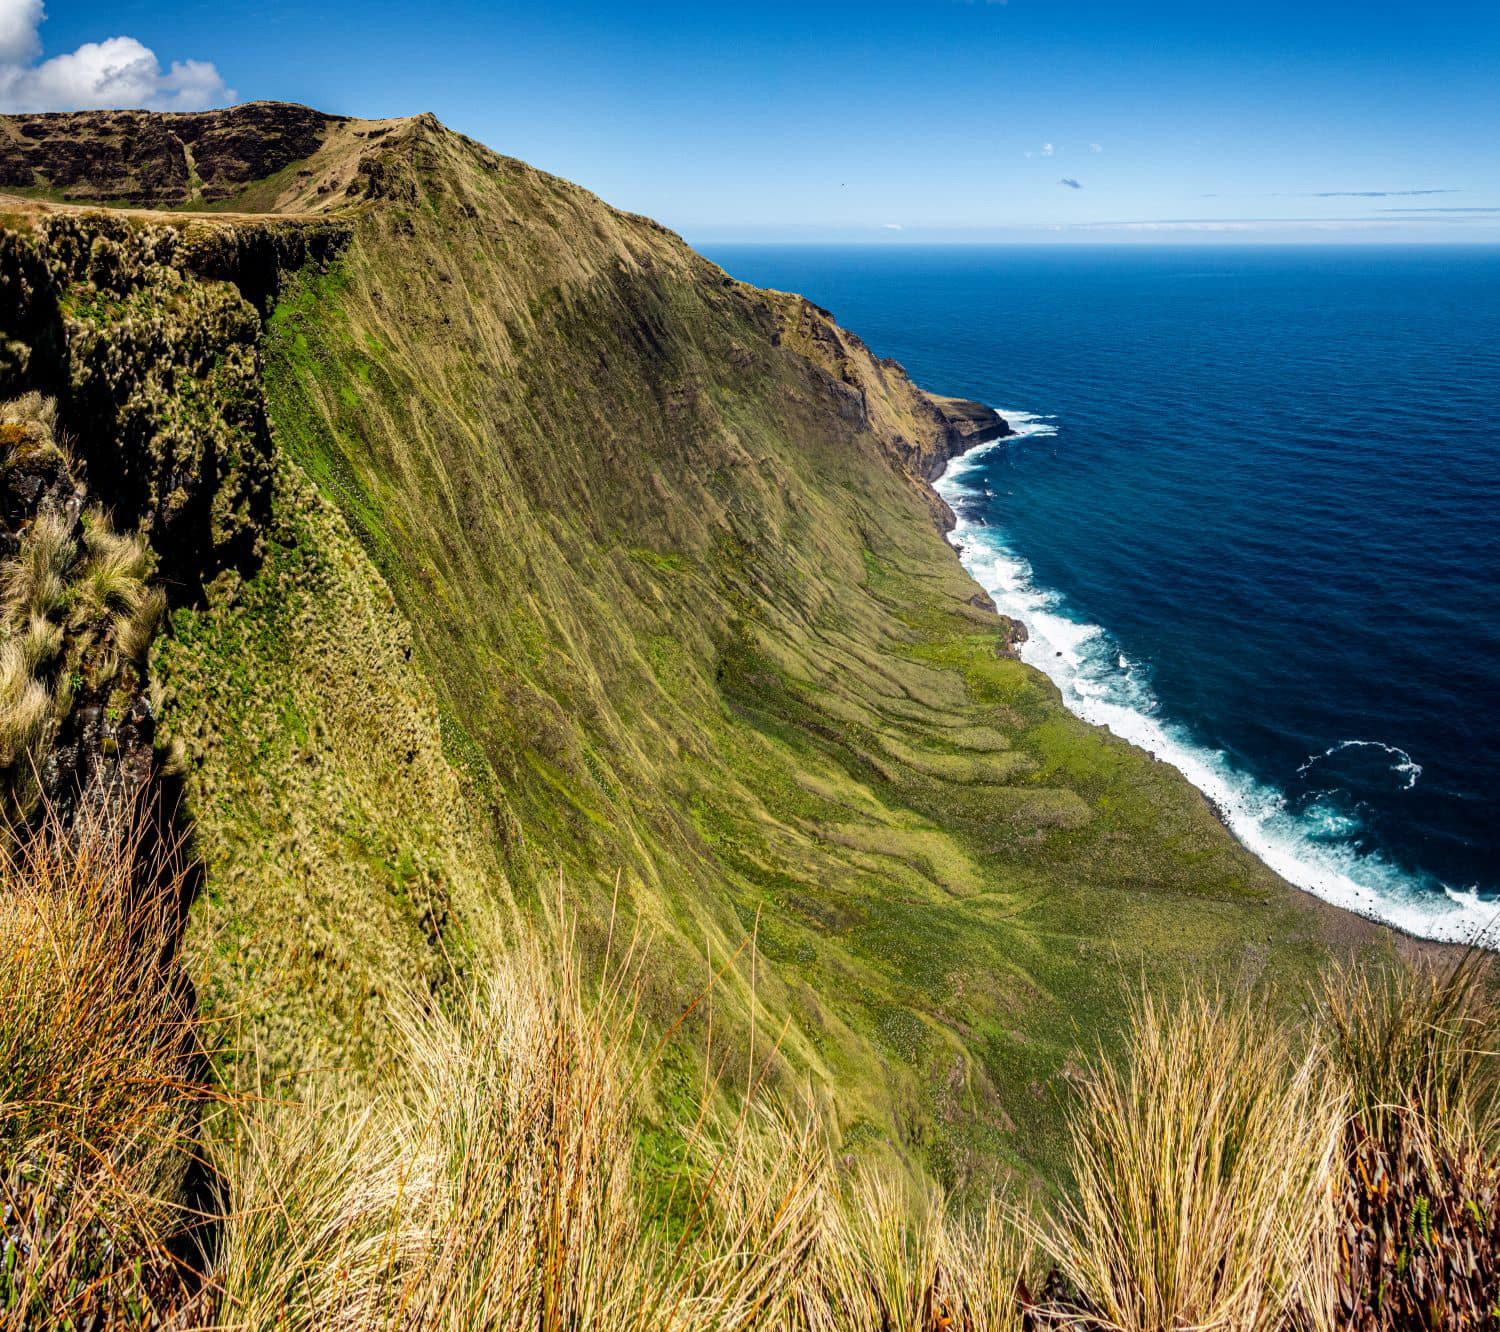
column 148, row 336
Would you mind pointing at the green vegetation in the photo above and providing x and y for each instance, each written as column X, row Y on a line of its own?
column 336, row 834
column 1232, row 1170
column 493, row 561
column 571, row 555
column 697, row 628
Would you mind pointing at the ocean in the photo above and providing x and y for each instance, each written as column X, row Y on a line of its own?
column 1250, row 519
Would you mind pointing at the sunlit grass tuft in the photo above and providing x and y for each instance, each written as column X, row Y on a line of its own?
column 100, row 1084
column 1203, row 1164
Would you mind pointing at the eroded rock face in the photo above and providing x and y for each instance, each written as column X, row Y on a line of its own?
column 120, row 155
column 922, row 430
column 968, row 423
column 144, row 334
column 155, row 159
column 248, row 143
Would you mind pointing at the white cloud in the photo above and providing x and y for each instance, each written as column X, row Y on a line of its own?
column 19, row 44
column 1096, row 147
column 892, row 226
column 1047, row 150
column 115, row 72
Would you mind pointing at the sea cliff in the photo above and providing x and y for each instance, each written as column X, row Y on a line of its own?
column 507, row 542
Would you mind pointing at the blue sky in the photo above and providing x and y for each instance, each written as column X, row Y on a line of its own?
column 922, row 120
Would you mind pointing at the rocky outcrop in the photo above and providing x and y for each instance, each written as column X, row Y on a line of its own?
column 147, row 335
column 921, row 430
column 155, row 159
column 249, row 143
column 969, row 424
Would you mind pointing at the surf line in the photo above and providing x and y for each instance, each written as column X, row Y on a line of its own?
column 1095, row 688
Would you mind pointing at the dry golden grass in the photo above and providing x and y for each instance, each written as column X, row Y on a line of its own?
column 1422, row 1043
column 1203, row 1164
column 32, row 584
column 1414, row 1234
column 74, row 607
column 884, row 1259
column 100, row 1088
column 498, row 1188
column 494, row 1180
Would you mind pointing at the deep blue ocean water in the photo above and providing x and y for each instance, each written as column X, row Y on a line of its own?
column 1252, row 522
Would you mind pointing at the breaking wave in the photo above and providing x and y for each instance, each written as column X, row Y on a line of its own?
column 1307, row 842
column 1404, row 764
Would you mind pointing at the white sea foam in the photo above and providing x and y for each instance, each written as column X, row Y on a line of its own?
column 1101, row 686
column 1408, row 767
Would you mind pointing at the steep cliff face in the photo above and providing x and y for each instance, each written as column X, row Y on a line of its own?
column 528, row 546
column 922, row 431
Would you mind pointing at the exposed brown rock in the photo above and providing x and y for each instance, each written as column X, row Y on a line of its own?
column 156, row 159
column 922, row 430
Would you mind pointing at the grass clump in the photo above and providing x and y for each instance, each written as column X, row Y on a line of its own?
column 1415, row 1239
column 100, row 1085
column 75, row 605
column 1203, row 1164
column 1418, row 1044
column 504, row 1191
column 32, row 586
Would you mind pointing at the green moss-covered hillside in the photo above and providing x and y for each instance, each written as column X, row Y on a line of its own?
column 580, row 563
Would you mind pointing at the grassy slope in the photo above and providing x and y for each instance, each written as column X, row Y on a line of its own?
column 675, row 615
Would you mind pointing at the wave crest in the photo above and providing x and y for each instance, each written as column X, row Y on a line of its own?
column 1407, row 766
column 1308, row 847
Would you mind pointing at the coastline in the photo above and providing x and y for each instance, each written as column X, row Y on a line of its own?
column 1247, row 810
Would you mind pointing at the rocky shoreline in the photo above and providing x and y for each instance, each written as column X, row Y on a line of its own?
column 968, row 424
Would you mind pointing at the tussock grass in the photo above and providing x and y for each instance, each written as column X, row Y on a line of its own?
column 888, row 1259
column 100, row 1089
column 135, row 628
column 1222, row 1166
column 32, row 584
column 501, row 1191
column 1420, row 1042
column 315, row 1233
column 75, row 606
column 1203, row 1164
column 30, row 407
column 25, row 709
column 113, row 573
column 991, row 1262
column 495, row 1183
column 1414, row 1239
column 40, row 642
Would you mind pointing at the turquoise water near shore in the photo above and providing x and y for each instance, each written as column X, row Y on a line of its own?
column 1249, row 519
